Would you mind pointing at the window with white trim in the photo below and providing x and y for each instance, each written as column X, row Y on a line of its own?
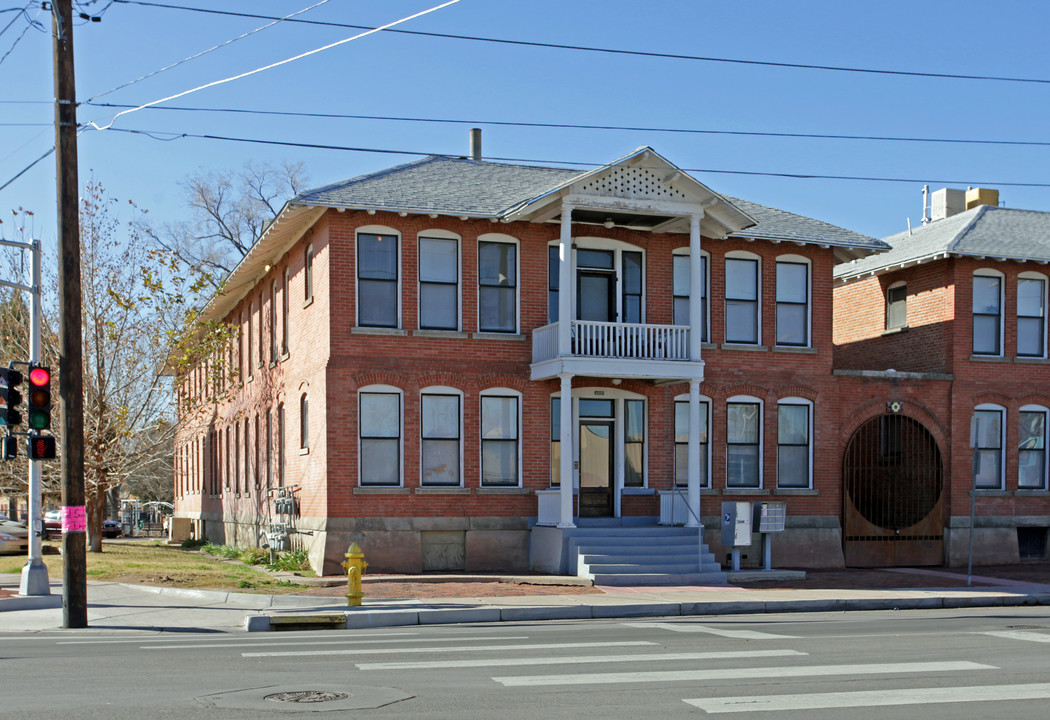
column 308, row 274
column 379, row 430
column 681, row 442
column 794, row 443
column 304, row 422
column 681, row 285
column 438, row 283
column 284, row 313
column 281, row 454
column 440, row 420
column 378, row 300
column 500, row 439
column 555, row 442
column 744, row 443
column 497, row 287
column 742, row 294
column 1031, row 315
column 896, row 306
column 634, row 443
column 989, row 447
column 987, row 313
column 1031, row 448
column 792, row 302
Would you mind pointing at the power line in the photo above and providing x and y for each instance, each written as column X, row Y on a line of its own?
column 615, row 51
column 386, row 151
column 580, row 126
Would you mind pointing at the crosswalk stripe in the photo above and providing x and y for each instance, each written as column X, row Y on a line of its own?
column 872, row 698
column 1019, row 635
column 807, row 671
column 348, row 641
column 689, row 627
column 463, row 648
column 158, row 637
column 575, row 660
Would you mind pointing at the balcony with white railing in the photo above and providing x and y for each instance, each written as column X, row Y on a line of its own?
column 651, row 350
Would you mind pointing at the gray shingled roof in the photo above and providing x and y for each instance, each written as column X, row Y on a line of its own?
column 983, row 231
column 459, row 186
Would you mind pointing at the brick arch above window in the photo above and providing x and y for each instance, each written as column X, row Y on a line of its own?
column 802, row 391
column 504, row 380
column 757, row 391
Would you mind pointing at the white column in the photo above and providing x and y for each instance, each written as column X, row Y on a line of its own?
column 693, row 490
column 565, row 519
column 565, row 283
column 696, row 279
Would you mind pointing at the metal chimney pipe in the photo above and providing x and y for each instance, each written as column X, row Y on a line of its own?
column 475, row 144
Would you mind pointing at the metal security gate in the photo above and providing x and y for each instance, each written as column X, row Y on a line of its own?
column 894, row 483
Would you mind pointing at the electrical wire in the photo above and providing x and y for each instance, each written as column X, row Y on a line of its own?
column 27, row 168
column 276, row 64
column 21, row 11
column 205, row 52
column 385, row 151
column 32, row 24
column 580, row 126
column 618, row 51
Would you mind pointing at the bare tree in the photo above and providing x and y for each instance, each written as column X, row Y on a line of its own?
column 228, row 213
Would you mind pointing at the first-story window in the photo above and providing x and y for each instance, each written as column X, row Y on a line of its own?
column 499, row 440
column 555, row 442
column 989, row 448
column 304, row 422
column 439, row 425
column 281, row 425
column 634, row 443
column 681, row 443
column 1031, row 449
column 793, row 445
column 379, row 427
column 743, row 445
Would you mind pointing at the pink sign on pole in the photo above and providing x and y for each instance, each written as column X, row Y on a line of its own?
column 74, row 519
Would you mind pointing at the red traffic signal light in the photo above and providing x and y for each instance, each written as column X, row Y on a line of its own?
column 41, row 447
column 38, row 402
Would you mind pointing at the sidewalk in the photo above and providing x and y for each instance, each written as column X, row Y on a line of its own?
column 445, row 599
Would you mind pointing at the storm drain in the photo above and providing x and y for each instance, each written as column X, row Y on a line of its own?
column 306, row 696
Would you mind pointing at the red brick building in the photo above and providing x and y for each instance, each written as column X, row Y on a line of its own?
column 399, row 364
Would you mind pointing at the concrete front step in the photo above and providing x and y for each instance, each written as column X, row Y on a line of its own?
column 602, row 555
column 642, row 569
column 621, row 580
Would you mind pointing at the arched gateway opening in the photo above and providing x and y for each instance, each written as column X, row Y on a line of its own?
column 893, row 483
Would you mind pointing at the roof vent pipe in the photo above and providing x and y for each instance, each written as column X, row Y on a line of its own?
column 475, row 144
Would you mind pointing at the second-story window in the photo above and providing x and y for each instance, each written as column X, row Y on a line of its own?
column 308, row 274
column 377, row 280
column 681, row 283
column 1031, row 317
column 742, row 301
column 273, row 321
column 497, row 287
column 987, row 315
column 438, row 284
column 792, row 303
column 284, row 314
column 631, row 281
column 304, row 422
column 896, row 306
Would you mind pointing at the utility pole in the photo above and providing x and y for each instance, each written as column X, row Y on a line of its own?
column 70, row 363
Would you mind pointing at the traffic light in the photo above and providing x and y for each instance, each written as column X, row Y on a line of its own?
column 8, row 447
column 12, row 397
column 41, row 447
column 38, row 402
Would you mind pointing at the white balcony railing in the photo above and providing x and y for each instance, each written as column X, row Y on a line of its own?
column 614, row 340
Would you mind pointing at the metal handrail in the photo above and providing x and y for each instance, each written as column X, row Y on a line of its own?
column 700, row 526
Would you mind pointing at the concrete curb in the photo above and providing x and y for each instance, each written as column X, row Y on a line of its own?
column 374, row 618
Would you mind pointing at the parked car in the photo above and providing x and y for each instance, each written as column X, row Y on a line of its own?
column 111, row 529
column 14, row 538
column 52, row 524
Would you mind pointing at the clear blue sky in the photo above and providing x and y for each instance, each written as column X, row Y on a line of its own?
column 402, row 75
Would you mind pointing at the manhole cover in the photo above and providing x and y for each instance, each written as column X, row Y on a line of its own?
column 307, row 696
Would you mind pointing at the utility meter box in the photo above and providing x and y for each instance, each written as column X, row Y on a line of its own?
column 736, row 524
column 770, row 516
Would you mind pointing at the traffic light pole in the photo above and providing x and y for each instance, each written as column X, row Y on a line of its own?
column 34, row 579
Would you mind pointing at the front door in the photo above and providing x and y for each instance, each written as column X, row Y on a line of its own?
column 596, row 468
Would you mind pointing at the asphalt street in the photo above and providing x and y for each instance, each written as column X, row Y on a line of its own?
column 964, row 663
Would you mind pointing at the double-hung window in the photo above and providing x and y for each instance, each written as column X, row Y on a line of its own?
column 681, row 443
column 742, row 320
column 379, row 431
column 1031, row 317
column 497, row 287
column 987, row 314
column 377, row 280
column 743, row 444
column 304, row 422
column 896, row 306
column 440, row 430
column 500, row 440
column 681, row 286
column 793, row 444
column 634, row 443
column 438, row 283
column 308, row 274
column 1031, row 449
column 989, row 448
column 792, row 303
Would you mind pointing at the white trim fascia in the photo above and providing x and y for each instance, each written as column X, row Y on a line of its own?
column 673, row 370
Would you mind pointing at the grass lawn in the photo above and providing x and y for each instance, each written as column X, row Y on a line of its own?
column 154, row 563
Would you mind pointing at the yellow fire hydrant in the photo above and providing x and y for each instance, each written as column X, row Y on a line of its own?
column 355, row 567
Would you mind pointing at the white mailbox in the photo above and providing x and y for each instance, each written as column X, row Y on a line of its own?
column 736, row 524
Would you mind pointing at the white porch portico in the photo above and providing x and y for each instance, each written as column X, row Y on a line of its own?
column 598, row 291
